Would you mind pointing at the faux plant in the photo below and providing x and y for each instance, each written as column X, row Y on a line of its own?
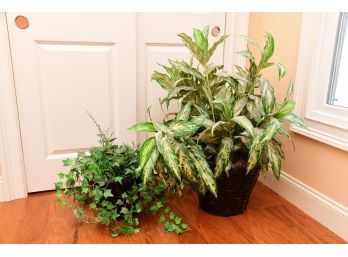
column 105, row 187
column 220, row 114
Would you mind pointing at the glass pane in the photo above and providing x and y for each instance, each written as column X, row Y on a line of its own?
column 338, row 91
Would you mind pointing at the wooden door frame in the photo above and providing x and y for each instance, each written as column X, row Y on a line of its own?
column 12, row 179
column 12, row 169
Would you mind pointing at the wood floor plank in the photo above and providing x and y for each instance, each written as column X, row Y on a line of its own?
column 269, row 219
column 10, row 215
column 44, row 221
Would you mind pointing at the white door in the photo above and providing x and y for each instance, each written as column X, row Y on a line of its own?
column 65, row 65
column 157, row 41
column 68, row 64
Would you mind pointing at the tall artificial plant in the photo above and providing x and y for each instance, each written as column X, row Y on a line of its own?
column 220, row 114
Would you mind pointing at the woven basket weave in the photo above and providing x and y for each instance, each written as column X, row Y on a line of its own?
column 233, row 191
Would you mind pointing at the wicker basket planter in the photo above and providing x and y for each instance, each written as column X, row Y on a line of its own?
column 233, row 191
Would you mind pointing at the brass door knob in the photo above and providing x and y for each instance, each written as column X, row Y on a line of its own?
column 215, row 31
column 21, row 22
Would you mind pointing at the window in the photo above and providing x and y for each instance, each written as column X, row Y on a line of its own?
column 338, row 90
column 321, row 88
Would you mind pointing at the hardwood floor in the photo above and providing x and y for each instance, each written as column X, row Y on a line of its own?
column 269, row 219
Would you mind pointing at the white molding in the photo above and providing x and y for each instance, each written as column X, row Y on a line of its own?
column 321, row 136
column 328, row 212
column 326, row 123
column 236, row 25
column 2, row 198
column 11, row 157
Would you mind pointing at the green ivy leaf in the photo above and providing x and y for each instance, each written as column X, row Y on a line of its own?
column 108, row 193
column 68, row 162
column 118, row 179
column 78, row 212
column 177, row 220
column 92, row 206
column 171, row 215
column 61, row 175
column 184, row 226
column 113, row 233
column 124, row 210
column 162, row 218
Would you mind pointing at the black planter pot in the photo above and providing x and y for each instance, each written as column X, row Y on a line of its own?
column 118, row 189
column 233, row 191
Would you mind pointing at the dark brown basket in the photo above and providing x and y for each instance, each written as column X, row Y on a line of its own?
column 118, row 189
column 233, row 191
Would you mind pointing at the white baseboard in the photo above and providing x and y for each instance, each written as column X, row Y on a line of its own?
column 331, row 214
column 2, row 193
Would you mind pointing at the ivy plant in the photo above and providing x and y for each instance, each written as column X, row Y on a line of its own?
column 91, row 183
column 220, row 115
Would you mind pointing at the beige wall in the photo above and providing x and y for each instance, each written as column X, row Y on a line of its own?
column 318, row 165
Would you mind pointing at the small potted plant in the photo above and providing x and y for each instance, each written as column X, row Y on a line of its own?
column 226, row 130
column 106, row 187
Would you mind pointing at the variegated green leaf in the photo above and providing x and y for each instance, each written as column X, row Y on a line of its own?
column 281, row 71
column 289, row 91
column 206, row 31
column 268, row 50
column 170, row 158
column 245, row 123
column 253, row 111
column 163, row 80
column 247, row 54
column 183, row 128
column 145, row 126
column 213, row 48
column 272, row 128
column 150, row 165
column 223, row 160
column 187, row 164
column 264, row 163
column 209, row 96
column 175, row 91
column 145, row 151
column 258, row 103
column 217, row 125
column 275, row 160
column 285, row 109
column 162, row 127
column 193, row 47
column 184, row 67
column 200, row 40
column 184, row 112
column 292, row 118
column 203, row 169
column 255, row 149
column 267, row 96
column 239, row 106
column 202, row 120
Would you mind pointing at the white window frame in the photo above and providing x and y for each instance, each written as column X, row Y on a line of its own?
column 326, row 123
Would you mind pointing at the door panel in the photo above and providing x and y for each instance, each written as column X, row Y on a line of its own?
column 157, row 41
column 64, row 66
